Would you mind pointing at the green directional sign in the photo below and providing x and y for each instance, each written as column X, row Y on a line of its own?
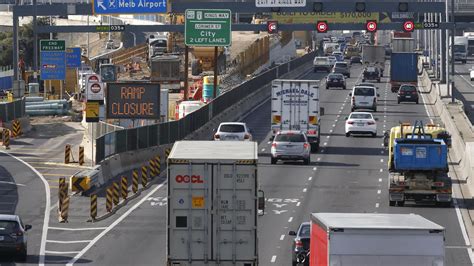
column 52, row 45
column 208, row 27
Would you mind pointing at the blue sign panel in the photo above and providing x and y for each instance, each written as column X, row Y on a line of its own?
column 53, row 65
column 73, row 57
column 102, row 7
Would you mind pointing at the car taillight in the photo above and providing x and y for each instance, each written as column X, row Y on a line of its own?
column 298, row 244
column 350, row 122
column 16, row 234
column 401, row 183
column 247, row 136
column 312, row 132
column 216, row 136
column 353, row 98
column 438, row 184
column 402, row 92
column 274, row 145
column 414, row 92
column 370, row 123
column 306, row 146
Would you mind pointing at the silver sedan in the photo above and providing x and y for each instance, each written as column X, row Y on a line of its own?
column 290, row 146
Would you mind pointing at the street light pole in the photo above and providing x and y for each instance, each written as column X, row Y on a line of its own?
column 453, row 32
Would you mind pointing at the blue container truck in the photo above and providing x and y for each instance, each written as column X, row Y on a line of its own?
column 420, row 170
column 403, row 70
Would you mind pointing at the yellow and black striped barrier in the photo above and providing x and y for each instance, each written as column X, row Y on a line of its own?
column 158, row 165
column 64, row 212
column 62, row 190
column 116, row 190
column 167, row 153
column 135, row 181
column 81, row 184
column 93, row 206
column 81, row 155
column 124, row 187
column 67, row 154
column 152, row 168
column 16, row 128
column 6, row 138
column 144, row 176
column 108, row 200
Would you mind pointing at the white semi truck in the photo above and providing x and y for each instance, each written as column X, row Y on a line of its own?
column 374, row 55
column 375, row 239
column 295, row 106
column 213, row 204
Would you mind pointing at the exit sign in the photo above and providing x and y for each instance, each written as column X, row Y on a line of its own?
column 52, row 45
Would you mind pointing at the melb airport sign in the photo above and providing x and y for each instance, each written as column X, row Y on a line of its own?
column 133, row 100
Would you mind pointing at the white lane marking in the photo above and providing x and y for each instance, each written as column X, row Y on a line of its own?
column 319, row 159
column 330, row 131
column 338, row 116
column 68, row 242
column 335, row 120
column 377, row 205
column 12, row 183
column 263, row 149
column 328, row 137
column 298, row 204
column 269, row 142
column 381, row 160
column 384, row 125
column 380, row 179
column 61, row 252
column 305, row 189
column 381, row 170
column 381, row 152
column 309, row 178
column 463, row 230
column 384, row 116
column 379, row 191
column 290, row 220
column 325, row 143
column 381, row 144
column 322, row 150
column 426, row 108
column 315, row 168
column 274, row 258
column 385, row 121
column 340, row 111
column 47, row 211
column 113, row 225
column 77, row 229
column 282, row 237
column 333, row 125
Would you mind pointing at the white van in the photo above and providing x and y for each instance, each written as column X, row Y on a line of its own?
column 364, row 97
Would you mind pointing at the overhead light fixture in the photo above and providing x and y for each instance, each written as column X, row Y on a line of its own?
column 403, row 7
column 318, row 7
column 360, row 6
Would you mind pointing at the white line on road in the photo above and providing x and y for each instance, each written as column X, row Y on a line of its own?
column 12, row 183
column 463, row 230
column 381, row 144
column 315, row 168
column 325, row 143
column 381, row 160
column 379, row 191
column 61, row 252
column 282, row 237
column 290, row 220
column 319, row 159
column 77, row 229
column 381, row 170
column 333, row 125
column 380, row 179
column 274, row 258
column 328, row 137
column 44, row 234
column 269, row 142
column 330, row 131
column 322, row 150
column 113, row 225
column 68, row 242
column 376, row 205
column 305, row 189
column 298, row 203
column 263, row 149
column 309, row 178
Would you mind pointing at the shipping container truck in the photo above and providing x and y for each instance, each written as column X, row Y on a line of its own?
column 371, row 239
column 374, row 55
column 213, row 204
column 418, row 165
column 461, row 47
column 403, row 69
column 295, row 106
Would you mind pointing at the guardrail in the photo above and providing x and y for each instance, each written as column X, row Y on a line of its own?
column 12, row 110
column 167, row 133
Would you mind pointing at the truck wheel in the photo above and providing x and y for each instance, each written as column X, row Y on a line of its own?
column 344, row 87
column 314, row 147
column 273, row 160
column 392, row 203
column 401, row 203
column 307, row 161
column 348, row 134
column 416, row 101
column 398, row 101
column 443, row 204
column 363, row 80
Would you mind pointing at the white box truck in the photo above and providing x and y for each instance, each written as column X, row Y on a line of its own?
column 403, row 45
column 374, row 55
column 370, row 239
column 295, row 106
column 213, row 204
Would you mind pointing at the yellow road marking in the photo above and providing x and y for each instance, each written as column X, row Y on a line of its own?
column 53, row 186
column 62, row 164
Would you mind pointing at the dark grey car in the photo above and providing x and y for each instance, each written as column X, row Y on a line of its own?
column 301, row 241
column 342, row 68
column 13, row 239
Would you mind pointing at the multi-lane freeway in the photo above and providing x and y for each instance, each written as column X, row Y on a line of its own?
column 346, row 175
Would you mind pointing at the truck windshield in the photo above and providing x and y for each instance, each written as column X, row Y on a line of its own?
column 459, row 48
column 159, row 43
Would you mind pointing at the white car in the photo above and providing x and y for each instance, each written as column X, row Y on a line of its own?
column 233, row 131
column 471, row 74
column 332, row 60
column 361, row 123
